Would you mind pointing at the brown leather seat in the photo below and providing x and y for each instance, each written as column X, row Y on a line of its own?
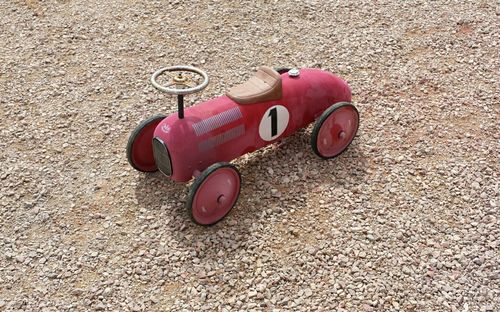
column 264, row 86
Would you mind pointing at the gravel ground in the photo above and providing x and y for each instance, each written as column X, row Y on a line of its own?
column 407, row 219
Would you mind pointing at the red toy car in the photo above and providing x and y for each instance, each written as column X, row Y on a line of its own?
column 201, row 140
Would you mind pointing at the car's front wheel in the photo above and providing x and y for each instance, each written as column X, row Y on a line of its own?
column 214, row 193
column 140, row 145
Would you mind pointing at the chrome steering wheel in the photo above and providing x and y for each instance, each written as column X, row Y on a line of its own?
column 181, row 83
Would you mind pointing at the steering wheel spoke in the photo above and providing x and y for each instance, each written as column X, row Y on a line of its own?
column 191, row 84
column 169, row 84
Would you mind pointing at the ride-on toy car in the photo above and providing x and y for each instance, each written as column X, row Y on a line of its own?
column 200, row 141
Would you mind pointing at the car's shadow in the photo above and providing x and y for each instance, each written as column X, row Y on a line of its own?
column 293, row 156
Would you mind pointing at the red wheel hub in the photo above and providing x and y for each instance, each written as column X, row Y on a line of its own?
column 216, row 195
column 337, row 131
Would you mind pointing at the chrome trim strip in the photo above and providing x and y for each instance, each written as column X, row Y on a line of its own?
column 222, row 138
column 217, row 121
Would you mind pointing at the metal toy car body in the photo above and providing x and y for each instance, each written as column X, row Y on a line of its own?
column 200, row 140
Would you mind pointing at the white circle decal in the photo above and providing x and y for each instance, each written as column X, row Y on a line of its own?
column 274, row 122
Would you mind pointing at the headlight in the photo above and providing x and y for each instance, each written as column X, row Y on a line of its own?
column 162, row 157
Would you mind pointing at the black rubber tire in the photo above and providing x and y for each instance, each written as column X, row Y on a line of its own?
column 134, row 135
column 321, row 120
column 197, row 183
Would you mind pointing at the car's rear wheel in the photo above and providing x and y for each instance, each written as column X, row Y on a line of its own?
column 140, row 145
column 214, row 193
column 334, row 130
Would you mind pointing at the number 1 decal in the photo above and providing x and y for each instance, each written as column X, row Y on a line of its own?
column 273, row 113
column 274, row 122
